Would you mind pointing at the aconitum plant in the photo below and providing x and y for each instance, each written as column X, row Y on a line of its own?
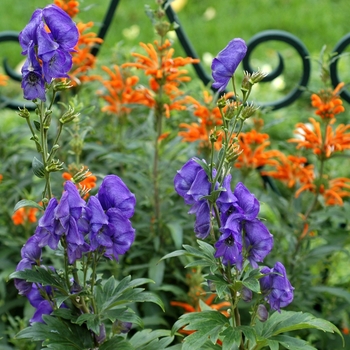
column 47, row 41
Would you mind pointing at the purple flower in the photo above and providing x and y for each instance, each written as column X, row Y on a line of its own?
column 43, row 306
column 108, row 214
column 229, row 246
column 33, row 84
column 276, row 287
column 258, row 241
column 52, row 47
column 247, row 206
column 23, row 286
column 31, row 250
column 69, row 212
column 262, row 313
column 225, row 64
column 113, row 193
column 202, row 223
column 47, row 229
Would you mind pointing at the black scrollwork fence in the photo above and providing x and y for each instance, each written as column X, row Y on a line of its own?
column 253, row 43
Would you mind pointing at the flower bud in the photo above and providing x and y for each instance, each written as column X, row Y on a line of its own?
column 69, row 115
column 262, row 313
column 121, row 327
column 221, row 102
column 62, row 85
column 247, row 294
column 248, row 111
column 24, row 113
column 55, row 165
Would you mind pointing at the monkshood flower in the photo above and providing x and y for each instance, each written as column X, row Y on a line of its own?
column 192, row 183
column 226, row 62
column 31, row 254
column 48, row 38
column 276, row 287
column 229, row 246
column 108, row 214
column 42, row 306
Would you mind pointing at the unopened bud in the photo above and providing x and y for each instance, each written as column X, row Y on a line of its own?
column 262, row 313
column 55, row 165
column 69, row 115
column 248, row 111
column 23, row 112
column 247, row 294
column 62, row 85
column 221, row 102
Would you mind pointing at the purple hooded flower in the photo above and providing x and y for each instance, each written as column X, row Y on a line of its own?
column 23, row 286
column 229, row 246
column 42, row 306
column 276, row 287
column 47, row 229
column 113, row 193
column 108, row 214
column 50, row 36
column 33, row 84
column 69, row 213
column 258, row 241
column 247, row 206
column 31, row 250
column 202, row 223
column 226, row 62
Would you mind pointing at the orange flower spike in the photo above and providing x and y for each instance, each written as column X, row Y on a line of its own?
column 69, row 6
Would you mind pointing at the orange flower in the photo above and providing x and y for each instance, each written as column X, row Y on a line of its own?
column 3, row 79
column 122, row 91
column 311, row 138
column 24, row 215
column 83, row 60
column 292, row 169
column 254, row 153
column 165, row 72
column 86, row 184
column 208, row 116
column 69, row 6
column 328, row 103
column 222, row 307
column 333, row 191
column 1, row 177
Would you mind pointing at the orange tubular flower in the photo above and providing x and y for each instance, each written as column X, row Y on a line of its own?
column 69, row 6
column 122, row 91
column 164, row 70
column 83, row 60
column 333, row 193
column 3, row 80
column 24, row 215
column 328, row 103
column 291, row 170
column 335, row 140
column 254, row 155
column 86, row 185
column 208, row 116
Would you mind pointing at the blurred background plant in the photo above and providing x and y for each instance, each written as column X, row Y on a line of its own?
column 142, row 123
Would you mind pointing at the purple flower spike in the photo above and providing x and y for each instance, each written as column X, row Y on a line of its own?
column 276, row 287
column 113, row 193
column 226, row 63
column 258, row 241
column 31, row 250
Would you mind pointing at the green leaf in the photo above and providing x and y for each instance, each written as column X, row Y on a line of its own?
column 140, row 339
column 232, row 339
column 220, row 284
column 93, row 322
column 58, row 334
column 176, row 232
column 174, row 254
column 41, row 275
column 288, row 321
column 273, row 344
column 156, row 270
column 38, row 168
column 116, row 343
column 336, row 291
column 27, row 203
column 207, row 324
column 293, row 343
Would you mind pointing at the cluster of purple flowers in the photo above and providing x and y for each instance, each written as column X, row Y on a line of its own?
column 242, row 235
column 47, row 40
column 102, row 225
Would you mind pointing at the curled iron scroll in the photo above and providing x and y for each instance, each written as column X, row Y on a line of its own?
column 279, row 35
column 339, row 48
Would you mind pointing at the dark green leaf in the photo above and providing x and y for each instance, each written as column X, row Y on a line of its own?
column 27, row 203
column 293, row 343
column 38, row 168
column 116, row 343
